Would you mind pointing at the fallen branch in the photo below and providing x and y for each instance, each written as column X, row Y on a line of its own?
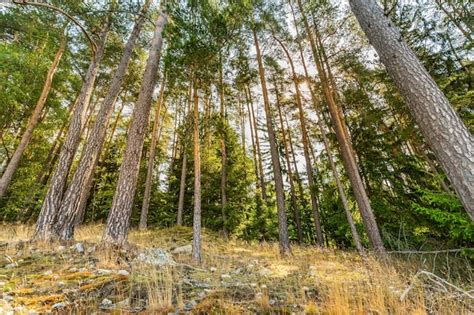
column 457, row 250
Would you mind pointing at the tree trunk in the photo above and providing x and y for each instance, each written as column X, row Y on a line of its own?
column 442, row 128
column 81, row 183
column 118, row 221
column 309, row 167
column 282, row 222
column 52, row 200
column 345, row 147
column 32, row 122
column 151, row 159
column 294, row 202
column 223, row 152
column 196, row 254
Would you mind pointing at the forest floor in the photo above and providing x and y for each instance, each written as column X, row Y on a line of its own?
column 156, row 276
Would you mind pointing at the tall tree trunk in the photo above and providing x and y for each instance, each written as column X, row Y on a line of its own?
column 81, row 182
column 52, row 200
column 309, row 166
column 118, row 221
column 223, row 151
column 184, row 165
column 345, row 147
column 196, row 254
column 442, row 128
column 280, row 197
column 32, row 122
column 151, row 159
column 294, row 202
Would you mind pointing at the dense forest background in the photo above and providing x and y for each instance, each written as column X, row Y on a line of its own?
column 209, row 56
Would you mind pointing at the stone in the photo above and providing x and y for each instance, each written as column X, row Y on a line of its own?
column 106, row 302
column 213, row 269
column 8, row 266
column 104, row 271
column 156, row 257
column 225, row 276
column 264, row 271
column 272, row 302
column 186, row 249
column 73, row 269
column 124, row 303
column 61, row 248
column 263, row 286
column 79, row 248
column 91, row 249
column 123, row 272
column 7, row 297
column 58, row 305
column 48, row 273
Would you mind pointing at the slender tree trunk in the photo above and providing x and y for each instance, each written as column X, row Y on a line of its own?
column 196, row 254
column 453, row 20
column 294, row 202
column 345, row 147
column 304, row 132
column 184, row 166
column 52, row 200
column 70, row 211
column 151, row 159
column 223, row 152
column 263, row 185
column 33, row 121
column 282, row 221
column 442, row 128
column 118, row 221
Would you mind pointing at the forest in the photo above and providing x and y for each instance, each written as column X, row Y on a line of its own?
column 234, row 157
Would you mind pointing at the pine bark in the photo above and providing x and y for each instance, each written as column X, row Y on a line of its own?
column 442, row 128
column 151, row 160
column 118, row 221
column 81, row 183
column 32, row 122
column 280, row 197
column 52, row 200
column 223, row 152
column 196, row 246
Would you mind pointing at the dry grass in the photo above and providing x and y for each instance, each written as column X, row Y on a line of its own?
column 238, row 277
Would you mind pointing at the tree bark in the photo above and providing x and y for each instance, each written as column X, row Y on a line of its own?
column 345, row 147
column 52, row 200
column 118, row 221
column 196, row 246
column 151, row 159
column 81, row 183
column 442, row 128
column 223, row 151
column 280, row 197
column 304, row 132
column 32, row 122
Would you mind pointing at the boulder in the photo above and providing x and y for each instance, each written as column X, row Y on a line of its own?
column 186, row 249
column 156, row 257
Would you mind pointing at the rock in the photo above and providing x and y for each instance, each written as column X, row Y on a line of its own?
column 91, row 249
column 264, row 271
column 48, row 273
column 79, row 247
column 225, row 276
column 272, row 302
column 186, row 249
column 305, row 289
column 73, row 269
column 104, row 271
column 106, row 302
column 156, row 257
column 58, row 305
column 213, row 269
column 253, row 285
column 61, row 248
column 8, row 266
column 124, row 303
column 82, row 270
column 7, row 297
column 123, row 272
column 237, row 271
column 189, row 306
column 263, row 286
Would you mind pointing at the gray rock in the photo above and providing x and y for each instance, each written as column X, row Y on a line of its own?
column 213, row 269
column 272, row 302
column 7, row 297
column 123, row 272
column 264, row 271
column 124, row 303
column 91, row 249
column 156, row 257
column 186, row 249
column 61, row 248
column 225, row 276
column 59, row 305
column 79, row 247
column 104, row 271
column 48, row 273
column 12, row 265
column 73, row 269
column 106, row 302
